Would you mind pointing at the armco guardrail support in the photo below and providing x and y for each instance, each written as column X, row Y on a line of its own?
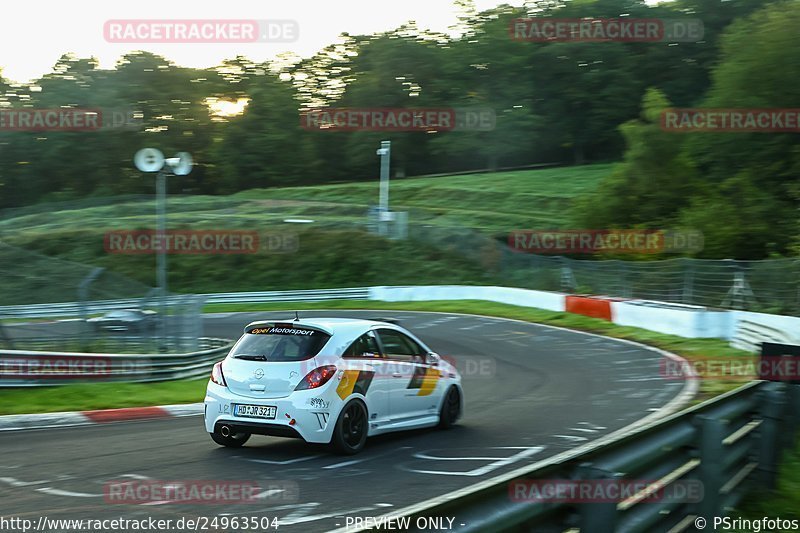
column 598, row 517
column 712, row 433
column 772, row 402
column 791, row 414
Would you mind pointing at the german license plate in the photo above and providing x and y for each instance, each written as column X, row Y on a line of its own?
column 255, row 411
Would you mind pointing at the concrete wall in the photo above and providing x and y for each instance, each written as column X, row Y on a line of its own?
column 746, row 329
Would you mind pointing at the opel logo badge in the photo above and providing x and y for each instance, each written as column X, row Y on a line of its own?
column 259, row 373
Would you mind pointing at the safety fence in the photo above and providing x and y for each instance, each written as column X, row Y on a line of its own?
column 70, row 309
column 23, row 368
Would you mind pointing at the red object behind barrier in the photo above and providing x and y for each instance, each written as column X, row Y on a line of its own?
column 589, row 306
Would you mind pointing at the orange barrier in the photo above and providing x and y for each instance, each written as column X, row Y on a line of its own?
column 589, row 306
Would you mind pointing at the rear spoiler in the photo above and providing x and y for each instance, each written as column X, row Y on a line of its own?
column 283, row 326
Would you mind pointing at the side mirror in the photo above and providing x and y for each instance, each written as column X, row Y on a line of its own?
column 432, row 358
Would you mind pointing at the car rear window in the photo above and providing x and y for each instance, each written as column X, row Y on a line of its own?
column 279, row 343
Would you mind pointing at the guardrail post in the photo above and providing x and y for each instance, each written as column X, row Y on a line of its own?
column 688, row 280
column 792, row 412
column 568, row 283
column 712, row 433
column 598, row 517
column 769, row 447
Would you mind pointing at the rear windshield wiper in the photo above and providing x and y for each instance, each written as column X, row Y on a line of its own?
column 251, row 357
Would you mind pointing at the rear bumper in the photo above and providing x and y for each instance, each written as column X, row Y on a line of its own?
column 271, row 430
column 309, row 415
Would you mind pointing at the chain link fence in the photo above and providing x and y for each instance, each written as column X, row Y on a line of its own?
column 770, row 286
column 32, row 278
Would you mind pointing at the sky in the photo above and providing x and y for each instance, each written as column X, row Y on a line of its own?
column 36, row 33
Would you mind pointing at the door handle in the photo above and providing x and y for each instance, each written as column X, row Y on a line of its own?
column 397, row 375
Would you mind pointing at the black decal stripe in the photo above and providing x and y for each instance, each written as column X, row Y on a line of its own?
column 417, row 378
column 363, row 382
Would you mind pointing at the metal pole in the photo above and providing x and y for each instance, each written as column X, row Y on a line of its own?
column 161, row 256
column 383, row 197
column 386, row 150
column 83, row 301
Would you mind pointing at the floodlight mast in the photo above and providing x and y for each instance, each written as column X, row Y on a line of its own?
column 161, row 255
column 152, row 160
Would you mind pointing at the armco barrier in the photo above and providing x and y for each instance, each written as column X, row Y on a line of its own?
column 674, row 319
column 31, row 369
column 751, row 329
column 551, row 301
column 74, row 309
column 727, row 445
column 748, row 329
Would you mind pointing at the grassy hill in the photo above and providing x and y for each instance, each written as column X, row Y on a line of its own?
column 452, row 222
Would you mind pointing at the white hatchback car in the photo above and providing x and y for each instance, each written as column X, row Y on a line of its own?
column 329, row 380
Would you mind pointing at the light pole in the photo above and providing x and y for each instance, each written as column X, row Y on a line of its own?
column 161, row 255
column 385, row 152
column 152, row 160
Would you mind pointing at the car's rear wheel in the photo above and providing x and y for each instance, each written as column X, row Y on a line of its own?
column 451, row 408
column 232, row 440
column 350, row 432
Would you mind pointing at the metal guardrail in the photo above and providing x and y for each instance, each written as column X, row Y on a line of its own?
column 728, row 444
column 21, row 368
column 27, row 368
column 71, row 309
column 749, row 335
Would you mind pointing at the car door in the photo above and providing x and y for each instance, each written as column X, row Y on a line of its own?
column 364, row 361
column 414, row 388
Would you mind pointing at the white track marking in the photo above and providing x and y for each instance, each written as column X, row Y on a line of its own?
column 591, row 425
column 286, row 462
column 494, row 465
column 59, row 492
column 17, row 483
column 356, row 461
column 572, row 438
column 345, row 463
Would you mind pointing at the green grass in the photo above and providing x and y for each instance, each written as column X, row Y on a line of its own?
column 111, row 395
column 782, row 503
column 493, row 202
column 454, row 223
column 87, row 396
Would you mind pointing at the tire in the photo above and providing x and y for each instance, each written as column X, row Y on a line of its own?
column 451, row 408
column 236, row 440
column 350, row 432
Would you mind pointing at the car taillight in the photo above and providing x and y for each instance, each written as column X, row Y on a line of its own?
column 316, row 378
column 216, row 375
